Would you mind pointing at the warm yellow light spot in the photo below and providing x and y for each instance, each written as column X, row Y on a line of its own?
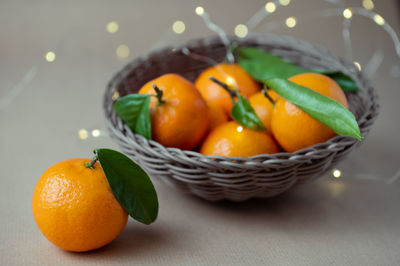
column 336, row 173
column 270, row 7
column 347, row 13
column 112, row 27
column 83, row 134
column 368, row 4
column 241, row 30
column 379, row 20
column 178, row 27
column 291, row 22
column 199, row 10
column 50, row 56
column 239, row 129
column 230, row 81
column 284, row 2
column 115, row 95
column 122, row 51
column 96, row 133
column 336, row 188
column 358, row 65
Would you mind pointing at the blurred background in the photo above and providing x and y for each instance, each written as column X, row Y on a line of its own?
column 56, row 58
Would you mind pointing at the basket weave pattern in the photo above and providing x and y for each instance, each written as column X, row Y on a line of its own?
column 235, row 178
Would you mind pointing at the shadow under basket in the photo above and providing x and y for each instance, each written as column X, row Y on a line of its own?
column 234, row 178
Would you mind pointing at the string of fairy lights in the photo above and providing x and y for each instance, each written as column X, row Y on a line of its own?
column 122, row 51
column 243, row 30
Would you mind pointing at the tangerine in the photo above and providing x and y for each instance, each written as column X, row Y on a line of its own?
column 75, row 208
column 217, row 115
column 293, row 128
column 263, row 106
column 232, row 139
column 181, row 120
column 232, row 75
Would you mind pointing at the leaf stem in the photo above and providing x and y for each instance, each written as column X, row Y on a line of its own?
column 265, row 91
column 159, row 94
column 92, row 162
column 225, row 86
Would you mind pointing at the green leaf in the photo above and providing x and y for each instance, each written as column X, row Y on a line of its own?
column 243, row 113
column 322, row 108
column 344, row 81
column 131, row 185
column 134, row 111
column 261, row 65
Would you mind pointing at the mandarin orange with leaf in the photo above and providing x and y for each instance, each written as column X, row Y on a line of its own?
column 292, row 127
column 75, row 208
column 180, row 119
column 231, row 74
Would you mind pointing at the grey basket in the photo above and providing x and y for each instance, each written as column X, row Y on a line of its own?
column 234, row 178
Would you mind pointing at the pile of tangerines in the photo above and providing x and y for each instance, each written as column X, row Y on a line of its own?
column 197, row 116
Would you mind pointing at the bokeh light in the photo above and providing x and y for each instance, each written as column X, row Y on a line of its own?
column 112, row 27
column 199, row 10
column 122, row 51
column 270, row 7
column 50, row 56
column 96, row 133
column 368, row 4
column 83, row 134
column 379, row 20
column 336, row 173
column 291, row 22
column 284, row 2
column 178, row 27
column 347, row 13
column 241, row 30
column 358, row 65
column 115, row 95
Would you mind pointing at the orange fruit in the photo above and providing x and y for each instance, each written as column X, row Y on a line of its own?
column 232, row 139
column 293, row 128
column 75, row 208
column 232, row 75
column 263, row 107
column 217, row 115
column 182, row 120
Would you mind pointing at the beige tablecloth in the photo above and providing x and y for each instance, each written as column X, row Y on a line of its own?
column 352, row 220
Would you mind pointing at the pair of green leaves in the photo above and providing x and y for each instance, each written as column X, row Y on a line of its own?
column 262, row 66
column 130, row 185
column 273, row 71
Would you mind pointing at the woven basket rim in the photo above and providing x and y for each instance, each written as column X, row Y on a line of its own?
column 261, row 159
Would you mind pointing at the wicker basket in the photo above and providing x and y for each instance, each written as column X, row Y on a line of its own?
column 234, row 178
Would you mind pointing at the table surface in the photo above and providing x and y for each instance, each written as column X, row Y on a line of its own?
column 352, row 220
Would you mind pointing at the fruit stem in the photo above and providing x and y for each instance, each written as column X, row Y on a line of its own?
column 92, row 162
column 265, row 91
column 225, row 86
column 230, row 55
column 159, row 94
